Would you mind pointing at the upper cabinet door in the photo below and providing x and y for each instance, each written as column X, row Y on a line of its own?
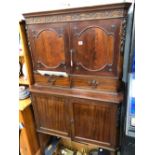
column 95, row 47
column 49, row 46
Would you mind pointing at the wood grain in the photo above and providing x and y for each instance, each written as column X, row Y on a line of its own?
column 51, row 81
column 29, row 144
column 93, row 122
column 102, row 84
column 109, row 97
column 98, row 53
column 82, row 120
column 49, row 46
column 50, row 112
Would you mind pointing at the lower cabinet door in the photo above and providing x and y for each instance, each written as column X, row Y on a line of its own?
column 51, row 114
column 94, row 122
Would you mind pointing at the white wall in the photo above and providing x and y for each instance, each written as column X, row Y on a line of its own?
column 43, row 5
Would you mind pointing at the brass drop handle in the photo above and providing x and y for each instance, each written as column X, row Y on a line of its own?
column 51, row 80
column 93, row 83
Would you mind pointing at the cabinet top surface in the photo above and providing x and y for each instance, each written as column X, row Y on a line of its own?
column 124, row 5
column 78, row 93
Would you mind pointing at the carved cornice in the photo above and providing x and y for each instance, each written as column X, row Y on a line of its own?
column 105, row 14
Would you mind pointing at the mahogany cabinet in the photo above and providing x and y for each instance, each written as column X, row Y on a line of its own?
column 80, row 119
column 77, row 62
column 85, row 43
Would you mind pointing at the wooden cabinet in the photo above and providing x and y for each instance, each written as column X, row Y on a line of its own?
column 80, row 53
column 84, row 43
column 80, row 119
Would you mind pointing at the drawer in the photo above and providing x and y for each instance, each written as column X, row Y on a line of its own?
column 96, row 83
column 51, row 80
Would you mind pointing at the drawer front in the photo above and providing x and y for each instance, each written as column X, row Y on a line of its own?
column 51, row 80
column 96, row 83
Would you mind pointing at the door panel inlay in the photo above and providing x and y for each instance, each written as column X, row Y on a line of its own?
column 94, row 48
column 50, row 48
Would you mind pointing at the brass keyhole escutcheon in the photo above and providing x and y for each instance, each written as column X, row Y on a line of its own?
column 77, row 68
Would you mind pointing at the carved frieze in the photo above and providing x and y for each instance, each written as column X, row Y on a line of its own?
column 115, row 13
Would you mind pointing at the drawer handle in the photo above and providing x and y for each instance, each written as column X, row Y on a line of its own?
column 52, row 80
column 93, row 83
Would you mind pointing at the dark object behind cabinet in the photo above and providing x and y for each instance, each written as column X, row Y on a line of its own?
column 128, row 146
column 87, row 45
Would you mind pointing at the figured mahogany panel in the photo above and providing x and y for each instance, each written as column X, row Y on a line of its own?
column 50, row 112
column 96, row 47
column 94, row 122
column 93, row 57
column 49, row 46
